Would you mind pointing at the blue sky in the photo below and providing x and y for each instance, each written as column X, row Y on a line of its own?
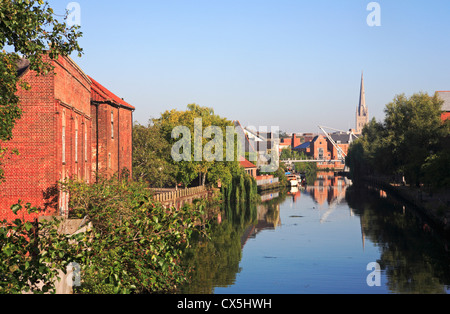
column 288, row 63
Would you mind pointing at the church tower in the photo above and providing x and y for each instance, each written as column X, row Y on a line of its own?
column 362, row 114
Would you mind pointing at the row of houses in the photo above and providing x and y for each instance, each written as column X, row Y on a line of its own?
column 71, row 127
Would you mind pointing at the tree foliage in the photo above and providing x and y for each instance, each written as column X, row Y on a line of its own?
column 32, row 253
column 151, row 157
column 409, row 142
column 152, row 145
column 137, row 244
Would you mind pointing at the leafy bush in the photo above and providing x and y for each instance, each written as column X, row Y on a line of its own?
column 136, row 244
column 32, row 253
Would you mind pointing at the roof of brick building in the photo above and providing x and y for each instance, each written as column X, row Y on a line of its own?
column 108, row 95
column 246, row 164
column 23, row 65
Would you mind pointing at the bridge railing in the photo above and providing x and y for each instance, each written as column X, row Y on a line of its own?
column 288, row 161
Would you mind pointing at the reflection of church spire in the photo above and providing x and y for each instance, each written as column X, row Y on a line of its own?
column 363, row 234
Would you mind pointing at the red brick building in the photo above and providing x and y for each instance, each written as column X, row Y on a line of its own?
column 111, row 132
column 63, row 123
column 323, row 150
column 249, row 167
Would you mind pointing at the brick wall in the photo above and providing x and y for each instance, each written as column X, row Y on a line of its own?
column 27, row 176
column 32, row 177
column 112, row 131
column 320, row 144
column 126, row 138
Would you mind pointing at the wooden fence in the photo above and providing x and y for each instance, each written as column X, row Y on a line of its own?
column 177, row 194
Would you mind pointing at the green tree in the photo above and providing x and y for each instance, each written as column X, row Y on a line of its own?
column 151, row 158
column 292, row 154
column 407, row 143
column 202, row 168
column 436, row 168
column 372, row 152
column 413, row 128
column 28, row 29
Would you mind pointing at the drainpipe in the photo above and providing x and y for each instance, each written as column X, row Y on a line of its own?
column 97, row 152
column 118, row 140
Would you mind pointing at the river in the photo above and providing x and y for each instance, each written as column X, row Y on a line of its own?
column 327, row 238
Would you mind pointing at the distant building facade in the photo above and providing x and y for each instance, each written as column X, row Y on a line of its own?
column 445, row 96
column 249, row 167
column 329, row 151
column 57, row 137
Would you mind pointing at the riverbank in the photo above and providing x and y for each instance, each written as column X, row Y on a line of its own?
column 435, row 206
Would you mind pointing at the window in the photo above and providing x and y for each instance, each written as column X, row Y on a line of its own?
column 320, row 153
column 64, row 137
column 85, row 143
column 112, row 124
column 109, row 161
column 76, row 139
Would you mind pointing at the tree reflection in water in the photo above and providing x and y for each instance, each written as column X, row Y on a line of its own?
column 415, row 258
column 215, row 261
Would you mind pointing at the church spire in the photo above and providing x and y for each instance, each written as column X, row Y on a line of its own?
column 362, row 113
column 362, row 97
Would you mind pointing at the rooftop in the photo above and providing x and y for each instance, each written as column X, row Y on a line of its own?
column 303, row 146
column 109, row 95
column 342, row 137
column 247, row 164
column 22, row 67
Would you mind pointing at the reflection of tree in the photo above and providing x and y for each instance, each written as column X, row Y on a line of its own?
column 215, row 261
column 415, row 261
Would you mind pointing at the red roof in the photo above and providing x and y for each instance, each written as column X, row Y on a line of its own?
column 108, row 95
column 247, row 164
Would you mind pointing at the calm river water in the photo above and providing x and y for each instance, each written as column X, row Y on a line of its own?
column 321, row 240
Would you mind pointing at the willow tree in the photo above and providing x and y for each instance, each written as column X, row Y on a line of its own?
column 205, row 150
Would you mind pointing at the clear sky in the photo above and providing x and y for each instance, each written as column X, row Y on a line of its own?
column 289, row 63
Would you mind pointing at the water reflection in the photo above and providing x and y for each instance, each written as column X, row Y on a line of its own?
column 414, row 257
column 327, row 189
column 216, row 260
column 268, row 216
